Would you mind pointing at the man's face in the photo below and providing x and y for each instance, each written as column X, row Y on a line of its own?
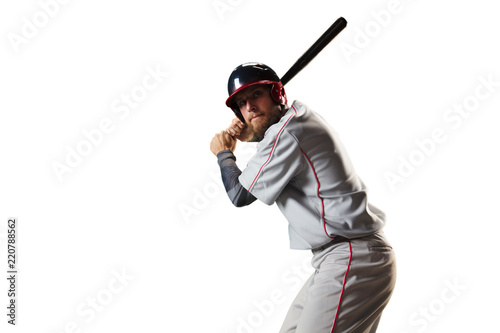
column 258, row 108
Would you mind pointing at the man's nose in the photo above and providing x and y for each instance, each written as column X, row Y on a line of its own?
column 250, row 106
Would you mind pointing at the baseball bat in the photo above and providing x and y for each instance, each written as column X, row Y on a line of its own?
column 313, row 51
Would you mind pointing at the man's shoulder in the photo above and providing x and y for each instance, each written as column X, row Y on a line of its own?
column 298, row 108
column 295, row 114
column 297, row 117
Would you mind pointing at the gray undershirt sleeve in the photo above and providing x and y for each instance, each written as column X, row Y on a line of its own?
column 230, row 172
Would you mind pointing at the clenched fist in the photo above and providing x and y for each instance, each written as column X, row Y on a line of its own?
column 240, row 131
column 222, row 141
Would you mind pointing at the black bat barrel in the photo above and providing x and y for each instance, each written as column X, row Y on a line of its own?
column 319, row 45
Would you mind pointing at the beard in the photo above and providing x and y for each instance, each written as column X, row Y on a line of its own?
column 271, row 119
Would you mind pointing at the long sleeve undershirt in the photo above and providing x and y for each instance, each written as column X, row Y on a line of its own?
column 230, row 172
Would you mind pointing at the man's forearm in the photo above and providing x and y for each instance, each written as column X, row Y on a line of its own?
column 230, row 172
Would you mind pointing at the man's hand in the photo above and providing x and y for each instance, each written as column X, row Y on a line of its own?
column 222, row 141
column 240, row 131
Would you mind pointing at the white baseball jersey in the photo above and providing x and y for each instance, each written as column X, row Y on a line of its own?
column 303, row 167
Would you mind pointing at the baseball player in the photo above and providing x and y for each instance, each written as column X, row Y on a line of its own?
column 301, row 165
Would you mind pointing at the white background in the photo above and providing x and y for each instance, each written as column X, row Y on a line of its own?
column 146, row 202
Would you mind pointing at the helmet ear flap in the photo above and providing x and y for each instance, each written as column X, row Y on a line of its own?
column 238, row 114
column 278, row 93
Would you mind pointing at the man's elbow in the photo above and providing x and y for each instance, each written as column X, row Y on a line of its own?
column 243, row 200
column 239, row 204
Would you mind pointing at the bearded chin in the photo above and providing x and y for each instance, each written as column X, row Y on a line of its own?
column 259, row 135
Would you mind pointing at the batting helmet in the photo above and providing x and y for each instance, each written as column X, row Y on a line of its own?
column 249, row 74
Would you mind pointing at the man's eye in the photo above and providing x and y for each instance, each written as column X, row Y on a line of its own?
column 257, row 93
column 241, row 103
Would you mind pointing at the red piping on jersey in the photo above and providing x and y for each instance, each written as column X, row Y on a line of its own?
column 319, row 196
column 272, row 149
column 343, row 287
